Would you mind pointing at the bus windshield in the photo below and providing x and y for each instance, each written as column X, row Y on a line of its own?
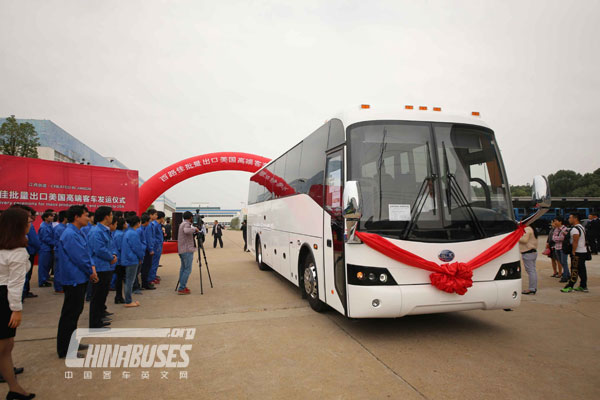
column 434, row 182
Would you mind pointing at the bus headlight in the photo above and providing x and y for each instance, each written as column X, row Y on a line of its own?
column 369, row 276
column 509, row 271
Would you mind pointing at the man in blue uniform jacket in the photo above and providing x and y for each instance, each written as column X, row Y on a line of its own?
column 58, row 230
column 159, row 237
column 145, row 220
column 104, row 257
column 46, row 257
column 76, row 269
column 149, row 236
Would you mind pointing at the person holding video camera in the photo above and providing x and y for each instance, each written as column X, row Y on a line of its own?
column 186, row 246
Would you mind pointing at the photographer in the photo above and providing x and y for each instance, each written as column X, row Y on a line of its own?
column 186, row 248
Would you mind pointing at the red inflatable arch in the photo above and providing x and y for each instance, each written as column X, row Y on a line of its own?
column 184, row 169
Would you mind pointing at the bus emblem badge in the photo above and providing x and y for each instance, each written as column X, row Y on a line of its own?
column 446, row 255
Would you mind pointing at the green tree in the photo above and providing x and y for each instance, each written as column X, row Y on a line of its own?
column 235, row 223
column 18, row 139
column 564, row 182
column 520, row 190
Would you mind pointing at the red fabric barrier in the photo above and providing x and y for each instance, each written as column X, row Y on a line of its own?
column 170, row 247
column 456, row 277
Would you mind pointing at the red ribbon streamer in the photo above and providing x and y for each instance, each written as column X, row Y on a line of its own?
column 456, row 277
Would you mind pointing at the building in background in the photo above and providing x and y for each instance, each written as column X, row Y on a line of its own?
column 163, row 203
column 56, row 144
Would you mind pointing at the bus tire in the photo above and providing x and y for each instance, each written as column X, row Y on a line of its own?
column 310, row 281
column 259, row 260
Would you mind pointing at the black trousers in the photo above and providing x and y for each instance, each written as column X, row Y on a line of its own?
column 27, row 286
column 593, row 240
column 69, row 316
column 98, row 302
column 215, row 241
column 578, row 269
column 146, row 265
column 120, row 272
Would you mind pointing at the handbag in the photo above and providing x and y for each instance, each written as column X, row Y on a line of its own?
column 547, row 251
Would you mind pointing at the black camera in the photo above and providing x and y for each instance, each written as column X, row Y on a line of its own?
column 198, row 220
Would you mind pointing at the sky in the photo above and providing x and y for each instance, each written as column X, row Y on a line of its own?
column 154, row 82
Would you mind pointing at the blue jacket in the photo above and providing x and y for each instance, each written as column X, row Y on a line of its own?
column 140, row 233
column 33, row 241
column 158, row 236
column 74, row 257
column 86, row 229
column 149, row 234
column 102, row 248
column 58, row 230
column 46, row 234
column 132, row 250
column 117, row 237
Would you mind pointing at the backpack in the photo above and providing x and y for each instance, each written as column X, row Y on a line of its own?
column 588, row 252
column 568, row 247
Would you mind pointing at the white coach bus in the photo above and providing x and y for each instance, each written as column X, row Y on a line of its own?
column 430, row 183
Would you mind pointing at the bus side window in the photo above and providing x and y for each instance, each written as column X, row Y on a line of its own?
column 312, row 164
column 278, row 171
column 253, row 192
column 336, row 134
column 333, row 186
column 292, row 168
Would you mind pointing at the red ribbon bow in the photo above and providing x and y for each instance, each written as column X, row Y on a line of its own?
column 453, row 278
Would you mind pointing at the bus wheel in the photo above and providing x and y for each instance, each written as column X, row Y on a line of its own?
column 259, row 257
column 311, row 284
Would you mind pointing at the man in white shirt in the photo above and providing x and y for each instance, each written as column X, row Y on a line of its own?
column 578, row 255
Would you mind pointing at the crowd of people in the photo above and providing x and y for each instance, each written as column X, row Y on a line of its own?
column 81, row 254
column 567, row 240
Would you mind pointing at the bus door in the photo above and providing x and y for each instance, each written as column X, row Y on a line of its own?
column 333, row 231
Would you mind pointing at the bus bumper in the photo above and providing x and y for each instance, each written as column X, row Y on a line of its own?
column 397, row 301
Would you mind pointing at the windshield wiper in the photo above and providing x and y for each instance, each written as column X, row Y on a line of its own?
column 453, row 188
column 427, row 188
column 379, row 166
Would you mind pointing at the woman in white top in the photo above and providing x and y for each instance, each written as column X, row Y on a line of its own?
column 528, row 248
column 14, row 263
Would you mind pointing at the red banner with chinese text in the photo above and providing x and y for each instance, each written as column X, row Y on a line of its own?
column 43, row 184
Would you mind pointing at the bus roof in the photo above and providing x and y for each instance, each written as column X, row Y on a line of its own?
column 352, row 115
column 373, row 113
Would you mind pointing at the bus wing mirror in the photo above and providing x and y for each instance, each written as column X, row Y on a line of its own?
column 352, row 210
column 540, row 192
column 351, row 198
column 540, row 197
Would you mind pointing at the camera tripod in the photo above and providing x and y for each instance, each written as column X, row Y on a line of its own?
column 200, row 247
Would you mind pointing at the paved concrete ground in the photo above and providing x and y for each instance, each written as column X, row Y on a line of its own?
column 256, row 338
